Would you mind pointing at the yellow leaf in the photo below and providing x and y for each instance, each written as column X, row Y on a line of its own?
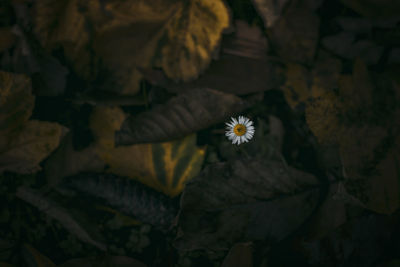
column 165, row 167
column 23, row 143
column 192, row 35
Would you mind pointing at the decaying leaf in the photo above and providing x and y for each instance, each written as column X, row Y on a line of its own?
column 240, row 255
column 192, row 35
column 119, row 36
column 295, row 34
column 374, row 8
column 103, row 261
column 23, row 143
column 7, row 38
column 270, row 10
column 32, row 257
column 165, row 167
column 242, row 68
column 125, row 195
column 182, row 115
column 244, row 201
column 352, row 119
column 66, row 161
column 356, row 243
column 57, row 213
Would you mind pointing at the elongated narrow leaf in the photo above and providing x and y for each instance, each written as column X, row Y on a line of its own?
column 182, row 115
column 125, row 195
column 244, row 201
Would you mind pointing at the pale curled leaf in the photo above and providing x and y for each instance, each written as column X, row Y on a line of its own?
column 57, row 213
column 244, row 201
column 182, row 115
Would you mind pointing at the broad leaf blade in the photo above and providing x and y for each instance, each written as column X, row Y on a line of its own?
column 244, row 201
column 182, row 115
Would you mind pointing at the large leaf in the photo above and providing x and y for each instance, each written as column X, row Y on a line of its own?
column 122, row 35
column 187, row 113
column 362, row 122
column 163, row 166
column 125, row 195
column 23, row 143
column 242, row 68
column 244, row 201
column 374, row 8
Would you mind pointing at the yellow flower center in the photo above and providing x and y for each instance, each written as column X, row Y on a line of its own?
column 239, row 129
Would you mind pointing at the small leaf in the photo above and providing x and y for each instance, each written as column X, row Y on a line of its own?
column 244, row 201
column 23, row 144
column 34, row 258
column 165, row 167
column 187, row 113
column 125, row 195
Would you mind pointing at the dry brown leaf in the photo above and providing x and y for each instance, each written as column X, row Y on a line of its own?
column 367, row 147
column 295, row 34
column 23, row 143
column 182, row 115
column 118, row 36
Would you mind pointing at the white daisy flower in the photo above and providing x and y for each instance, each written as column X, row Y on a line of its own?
column 240, row 130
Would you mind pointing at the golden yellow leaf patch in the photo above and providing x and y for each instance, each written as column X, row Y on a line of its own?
column 24, row 143
column 165, row 167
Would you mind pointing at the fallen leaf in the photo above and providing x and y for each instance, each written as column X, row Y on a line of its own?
column 360, row 242
column 240, row 255
column 66, row 161
column 7, row 38
column 57, row 213
column 192, row 35
column 34, row 258
column 374, row 8
column 182, row 115
column 24, row 143
column 295, row 34
column 244, row 201
column 103, row 261
column 269, row 10
column 353, row 120
column 165, row 167
column 344, row 44
column 175, row 35
column 242, row 68
column 125, row 195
